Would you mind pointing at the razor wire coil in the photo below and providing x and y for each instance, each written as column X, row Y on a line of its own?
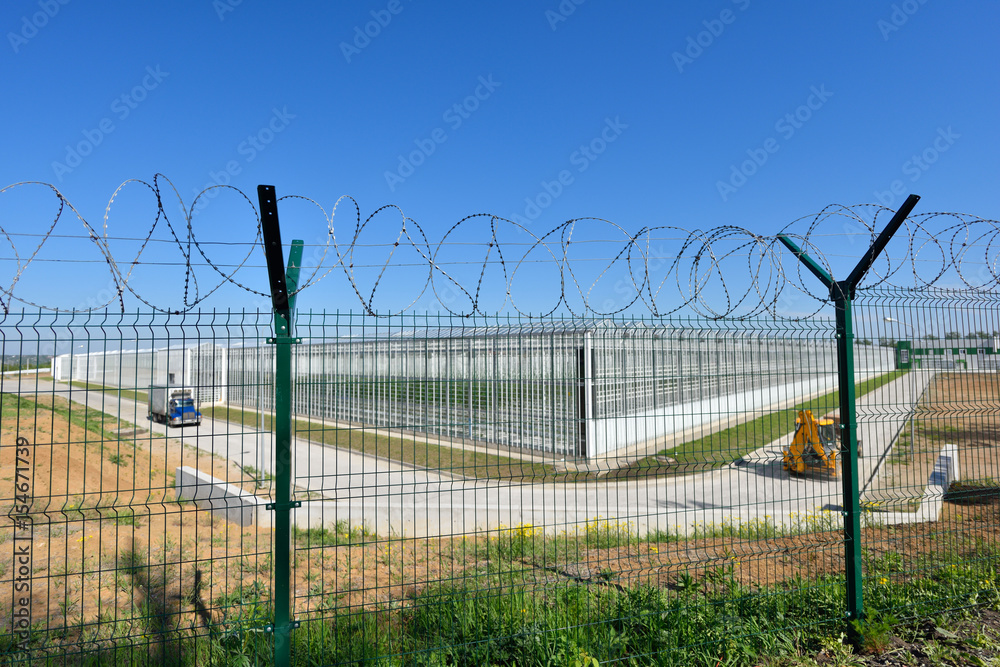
column 722, row 272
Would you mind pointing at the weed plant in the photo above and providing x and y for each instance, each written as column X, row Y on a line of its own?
column 491, row 618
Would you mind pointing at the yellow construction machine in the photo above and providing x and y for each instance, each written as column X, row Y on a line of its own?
column 814, row 445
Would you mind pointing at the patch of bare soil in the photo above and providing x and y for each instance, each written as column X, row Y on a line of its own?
column 92, row 562
column 957, row 408
column 109, row 541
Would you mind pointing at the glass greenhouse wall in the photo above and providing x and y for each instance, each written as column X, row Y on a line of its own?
column 563, row 388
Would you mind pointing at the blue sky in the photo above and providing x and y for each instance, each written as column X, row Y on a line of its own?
column 637, row 113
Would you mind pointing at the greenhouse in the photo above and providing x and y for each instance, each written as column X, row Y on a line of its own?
column 578, row 389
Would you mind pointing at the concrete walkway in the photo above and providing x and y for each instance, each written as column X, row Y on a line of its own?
column 394, row 499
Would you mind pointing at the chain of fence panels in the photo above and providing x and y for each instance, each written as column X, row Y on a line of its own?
column 487, row 490
column 107, row 555
column 933, row 496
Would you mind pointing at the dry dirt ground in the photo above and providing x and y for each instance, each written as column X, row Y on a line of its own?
column 111, row 546
column 957, row 408
column 100, row 506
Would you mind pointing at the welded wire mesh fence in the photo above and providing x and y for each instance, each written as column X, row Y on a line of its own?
column 107, row 556
column 477, row 489
column 577, row 388
column 489, row 487
column 932, row 495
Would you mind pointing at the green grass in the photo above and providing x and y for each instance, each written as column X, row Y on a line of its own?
column 938, row 430
column 763, row 528
column 728, row 445
column 126, row 516
column 28, row 365
column 984, row 491
column 338, row 534
column 261, row 479
column 502, row 613
column 100, row 424
column 425, row 455
column 131, row 394
column 498, row 619
column 526, row 543
column 13, row 406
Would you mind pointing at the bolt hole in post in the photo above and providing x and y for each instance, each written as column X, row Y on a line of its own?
column 913, row 384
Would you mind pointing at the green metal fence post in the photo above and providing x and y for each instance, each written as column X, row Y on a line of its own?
column 292, row 280
column 842, row 294
column 283, row 340
column 851, row 496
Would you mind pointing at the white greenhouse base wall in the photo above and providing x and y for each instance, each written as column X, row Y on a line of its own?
column 607, row 436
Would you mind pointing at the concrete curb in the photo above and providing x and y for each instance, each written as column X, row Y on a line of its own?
column 946, row 470
column 221, row 498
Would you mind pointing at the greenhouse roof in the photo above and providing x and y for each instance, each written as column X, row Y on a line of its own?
column 560, row 327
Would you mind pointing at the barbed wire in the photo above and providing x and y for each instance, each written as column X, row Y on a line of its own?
column 722, row 272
